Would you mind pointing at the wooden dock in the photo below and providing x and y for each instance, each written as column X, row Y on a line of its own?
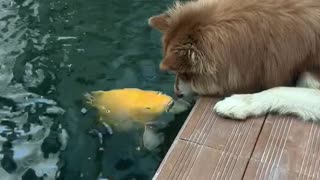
column 271, row 147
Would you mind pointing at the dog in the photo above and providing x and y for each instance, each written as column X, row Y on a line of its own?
column 253, row 51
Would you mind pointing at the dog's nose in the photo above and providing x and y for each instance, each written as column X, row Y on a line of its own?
column 178, row 94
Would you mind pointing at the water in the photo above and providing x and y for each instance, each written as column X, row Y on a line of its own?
column 51, row 53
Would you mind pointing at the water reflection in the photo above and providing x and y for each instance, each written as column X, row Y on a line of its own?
column 31, row 138
column 51, row 53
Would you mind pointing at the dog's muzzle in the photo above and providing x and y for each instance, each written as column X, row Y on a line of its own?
column 177, row 91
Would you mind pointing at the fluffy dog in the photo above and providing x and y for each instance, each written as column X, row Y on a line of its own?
column 225, row 47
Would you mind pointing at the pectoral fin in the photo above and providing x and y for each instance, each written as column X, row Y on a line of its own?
column 152, row 139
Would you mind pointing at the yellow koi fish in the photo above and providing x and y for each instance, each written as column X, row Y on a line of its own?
column 129, row 104
column 121, row 108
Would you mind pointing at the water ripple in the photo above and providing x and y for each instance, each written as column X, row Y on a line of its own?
column 27, row 120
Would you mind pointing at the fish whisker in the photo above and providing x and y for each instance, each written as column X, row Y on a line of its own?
column 169, row 105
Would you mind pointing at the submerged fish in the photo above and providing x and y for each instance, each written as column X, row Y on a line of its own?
column 121, row 108
column 129, row 104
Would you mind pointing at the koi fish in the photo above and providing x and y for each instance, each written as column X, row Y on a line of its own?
column 120, row 108
column 129, row 104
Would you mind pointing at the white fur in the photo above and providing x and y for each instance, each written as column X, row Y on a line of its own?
column 302, row 102
column 307, row 80
column 185, row 88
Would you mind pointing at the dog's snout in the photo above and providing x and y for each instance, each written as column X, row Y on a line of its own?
column 179, row 95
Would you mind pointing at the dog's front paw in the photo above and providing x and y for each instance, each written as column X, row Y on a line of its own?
column 235, row 107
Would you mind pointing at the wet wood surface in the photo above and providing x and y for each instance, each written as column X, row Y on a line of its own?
column 271, row 147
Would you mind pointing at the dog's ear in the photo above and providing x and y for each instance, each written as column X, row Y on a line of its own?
column 159, row 22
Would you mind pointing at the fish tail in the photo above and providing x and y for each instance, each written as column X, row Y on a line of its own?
column 92, row 96
column 89, row 97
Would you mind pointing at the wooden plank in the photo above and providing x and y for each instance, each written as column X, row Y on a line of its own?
column 287, row 149
column 210, row 147
column 170, row 159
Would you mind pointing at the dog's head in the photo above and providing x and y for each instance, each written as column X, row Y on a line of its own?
column 181, row 46
column 184, row 42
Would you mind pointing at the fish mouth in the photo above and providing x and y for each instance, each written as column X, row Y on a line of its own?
column 169, row 105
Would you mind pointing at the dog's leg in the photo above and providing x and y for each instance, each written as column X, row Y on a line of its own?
column 302, row 102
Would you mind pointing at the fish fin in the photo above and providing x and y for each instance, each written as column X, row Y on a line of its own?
column 152, row 139
column 108, row 127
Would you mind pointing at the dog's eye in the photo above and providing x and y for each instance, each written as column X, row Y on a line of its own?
column 176, row 50
column 189, row 44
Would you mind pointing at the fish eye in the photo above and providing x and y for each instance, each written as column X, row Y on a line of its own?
column 147, row 107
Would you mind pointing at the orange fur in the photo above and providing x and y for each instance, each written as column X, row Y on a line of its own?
column 223, row 47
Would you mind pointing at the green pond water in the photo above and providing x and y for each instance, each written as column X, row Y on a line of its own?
column 51, row 53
